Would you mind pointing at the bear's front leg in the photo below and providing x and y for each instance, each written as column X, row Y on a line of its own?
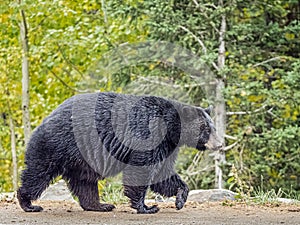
column 137, row 194
column 88, row 195
column 171, row 187
column 181, row 197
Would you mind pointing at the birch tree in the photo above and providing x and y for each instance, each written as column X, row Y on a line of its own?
column 201, row 27
column 220, row 109
column 255, row 57
column 25, row 74
column 14, row 153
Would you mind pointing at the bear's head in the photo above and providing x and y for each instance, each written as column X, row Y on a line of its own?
column 199, row 130
column 208, row 138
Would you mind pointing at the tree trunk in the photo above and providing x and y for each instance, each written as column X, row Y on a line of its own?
column 14, row 153
column 220, row 126
column 25, row 76
column 104, row 11
column 220, row 109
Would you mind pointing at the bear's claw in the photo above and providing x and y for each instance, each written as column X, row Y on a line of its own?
column 100, row 208
column 148, row 210
column 33, row 208
column 180, row 199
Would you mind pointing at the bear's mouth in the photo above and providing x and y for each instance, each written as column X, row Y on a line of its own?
column 201, row 147
column 218, row 147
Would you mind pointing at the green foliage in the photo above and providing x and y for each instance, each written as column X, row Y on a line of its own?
column 272, row 196
column 262, row 75
column 196, row 168
column 264, row 60
column 111, row 190
column 65, row 39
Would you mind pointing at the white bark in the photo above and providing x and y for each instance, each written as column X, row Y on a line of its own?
column 14, row 153
column 25, row 76
column 104, row 11
column 220, row 110
column 220, row 126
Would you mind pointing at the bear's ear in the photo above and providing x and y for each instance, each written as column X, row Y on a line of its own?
column 186, row 111
column 208, row 110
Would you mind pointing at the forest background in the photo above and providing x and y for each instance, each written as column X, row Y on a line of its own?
column 253, row 48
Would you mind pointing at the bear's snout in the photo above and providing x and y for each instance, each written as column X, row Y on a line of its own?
column 214, row 143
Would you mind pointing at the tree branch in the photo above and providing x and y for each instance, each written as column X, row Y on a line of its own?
column 196, row 3
column 230, row 137
column 68, row 61
column 194, row 36
column 40, row 23
column 1, row 147
column 104, row 11
column 272, row 114
column 211, row 5
column 268, row 60
column 158, row 82
column 65, row 84
column 199, row 41
column 248, row 112
column 207, row 168
column 230, row 146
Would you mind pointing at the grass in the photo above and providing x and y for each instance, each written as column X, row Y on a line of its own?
column 263, row 197
column 112, row 192
column 259, row 195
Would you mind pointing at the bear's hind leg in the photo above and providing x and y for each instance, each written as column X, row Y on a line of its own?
column 88, row 195
column 34, row 181
column 26, row 205
column 171, row 187
column 137, row 194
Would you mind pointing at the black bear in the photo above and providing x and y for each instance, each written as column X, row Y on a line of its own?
column 93, row 136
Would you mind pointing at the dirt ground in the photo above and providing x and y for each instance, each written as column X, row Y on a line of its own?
column 59, row 212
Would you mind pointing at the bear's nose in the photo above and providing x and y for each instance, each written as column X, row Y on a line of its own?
column 220, row 146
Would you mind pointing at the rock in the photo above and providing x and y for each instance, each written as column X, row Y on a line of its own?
column 159, row 199
column 58, row 191
column 212, row 195
column 288, row 201
column 7, row 197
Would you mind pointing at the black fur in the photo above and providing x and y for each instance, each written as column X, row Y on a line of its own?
column 67, row 144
